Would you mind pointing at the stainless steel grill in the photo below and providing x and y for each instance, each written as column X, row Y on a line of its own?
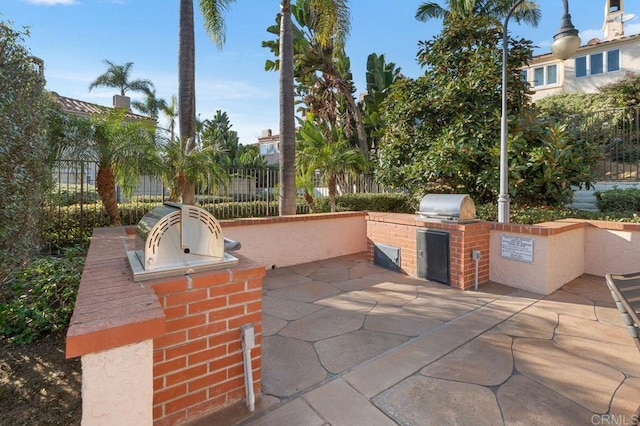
column 176, row 239
column 458, row 208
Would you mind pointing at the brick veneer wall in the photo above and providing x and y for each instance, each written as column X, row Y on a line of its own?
column 399, row 230
column 198, row 363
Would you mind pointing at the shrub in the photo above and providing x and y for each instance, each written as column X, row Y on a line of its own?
column 393, row 202
column 619, row 200
column 39, row 298
column 25, row 151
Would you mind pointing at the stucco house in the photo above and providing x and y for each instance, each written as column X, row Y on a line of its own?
column 596, row 63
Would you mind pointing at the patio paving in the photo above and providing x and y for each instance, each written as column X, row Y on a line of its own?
column 349, row 343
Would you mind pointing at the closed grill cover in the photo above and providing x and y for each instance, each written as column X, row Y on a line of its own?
column 455, row 206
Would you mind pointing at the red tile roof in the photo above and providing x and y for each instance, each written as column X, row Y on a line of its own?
column 87, row 109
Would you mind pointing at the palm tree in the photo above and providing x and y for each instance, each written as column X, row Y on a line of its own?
column 171, row 112
column 528, row 11
column 152, row 105
column 287, row 198
column 117, row 76
column 212, row 10
column 122, row 149
column 333, row 155
column 199, row 165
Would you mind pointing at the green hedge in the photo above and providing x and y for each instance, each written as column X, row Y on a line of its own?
column 619, row 200
column 393, row 202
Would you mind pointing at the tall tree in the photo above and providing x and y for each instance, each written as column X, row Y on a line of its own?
column 213, row 11
column 151, row 106
column 528, row 11
column 287, row 195
column 118, row 77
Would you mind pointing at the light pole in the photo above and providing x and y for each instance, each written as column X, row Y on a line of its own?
column 565, row 43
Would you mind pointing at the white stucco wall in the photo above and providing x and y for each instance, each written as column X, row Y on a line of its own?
column 611, row 251
column 117, row 386
column 557, row 259
column 293, row 243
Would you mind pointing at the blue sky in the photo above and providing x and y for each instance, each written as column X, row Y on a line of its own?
column 75, row 36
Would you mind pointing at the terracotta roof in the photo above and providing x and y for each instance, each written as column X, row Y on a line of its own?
column 87, row 109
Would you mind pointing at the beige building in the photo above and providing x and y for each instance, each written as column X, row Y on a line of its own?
column 596, row 63
column 269, row 145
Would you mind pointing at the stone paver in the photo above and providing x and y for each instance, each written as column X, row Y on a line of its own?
column 485, row 361
column 421, row 400
column 525, row 402
column 580, row 379
column 328, row 322
column 627, row 399
column 563, row 302
column 271, row 325
column 294, row 413
column 289, row 366
column 625, row 359
column 328, row 275
column 389, row 293
column 305, row 292
column 287, row 309
column 533, row 322
column 392, row 319
column 353, row 301
column 341, row 405
column 579, row 327
column 342, row 352
column 346, row 342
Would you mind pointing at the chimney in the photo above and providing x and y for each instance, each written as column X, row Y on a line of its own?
column 266, row 133
column 614, row 18
column 120, row 101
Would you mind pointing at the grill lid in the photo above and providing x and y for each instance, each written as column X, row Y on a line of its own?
column 450, row 207
column 176, row 239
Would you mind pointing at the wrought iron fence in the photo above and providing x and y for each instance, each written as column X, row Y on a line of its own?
column 74, row 207
column 617, row 133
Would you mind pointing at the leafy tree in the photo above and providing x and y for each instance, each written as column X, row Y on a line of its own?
column 25, row 150
column 333, row 155
column 212, row 11
column 528, row 11
column 123, row 149
column 217, row 131
column 443, row 128
column 117, row 77
column 380, row 78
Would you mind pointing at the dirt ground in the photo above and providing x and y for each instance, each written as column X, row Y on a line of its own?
column 38, row 386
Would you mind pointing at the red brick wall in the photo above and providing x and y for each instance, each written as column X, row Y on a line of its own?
column 198, row 363
column 400, row 230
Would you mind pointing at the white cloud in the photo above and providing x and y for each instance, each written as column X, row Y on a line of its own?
column 587, row 35
column 631, row 29
column 51, row 2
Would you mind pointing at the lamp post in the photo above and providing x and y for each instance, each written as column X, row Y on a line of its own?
column 565, row 43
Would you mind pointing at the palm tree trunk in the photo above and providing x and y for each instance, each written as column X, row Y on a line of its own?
column 331, row 183
column 287, row 199
column 186, row 85
column 309, row 200
column 106, row 187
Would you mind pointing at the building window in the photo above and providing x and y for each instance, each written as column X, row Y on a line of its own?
column 581, row 66
column 552, row 74
column 599, row 63
column 263, row 149
column 614, row 6
column 544, row 76
column 613, row 60
column 538, row 76
column 596, row 63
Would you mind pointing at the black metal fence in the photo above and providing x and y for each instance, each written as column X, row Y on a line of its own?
column 74, row 207
column 617, row 133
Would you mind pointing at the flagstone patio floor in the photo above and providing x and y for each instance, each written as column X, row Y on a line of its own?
column 349, row 343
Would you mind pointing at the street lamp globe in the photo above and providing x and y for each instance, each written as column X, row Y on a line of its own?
column 566, row 42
